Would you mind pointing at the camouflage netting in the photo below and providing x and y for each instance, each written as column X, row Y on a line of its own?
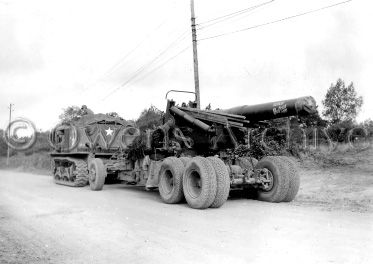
column 137, row 149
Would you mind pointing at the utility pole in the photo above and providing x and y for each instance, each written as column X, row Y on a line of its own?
column 10, row 120
column 195, row 58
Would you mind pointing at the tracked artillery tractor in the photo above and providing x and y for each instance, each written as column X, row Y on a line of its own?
column 196, row 154
column 90, row 150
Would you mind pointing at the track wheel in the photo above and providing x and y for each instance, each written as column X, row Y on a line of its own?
column 275, row 179
column 294, row 179
column 222, row 182
column 171, row 180
column 199, row 183
column 97, row 174
column 57, row 175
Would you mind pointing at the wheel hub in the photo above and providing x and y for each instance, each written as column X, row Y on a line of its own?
column 92, row 175
column 266, row 179
column 194, row 185
column 168, row 183
column 57, row 174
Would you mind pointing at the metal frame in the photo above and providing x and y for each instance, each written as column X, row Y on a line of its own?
column 181, row 91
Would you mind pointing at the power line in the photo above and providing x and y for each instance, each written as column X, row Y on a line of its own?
column 165, row 62
column 145, row 66
column 231, row 15
column 137, row 73
column 217, row 18
column 160, row 66
column 122, row 60
column 276, row 21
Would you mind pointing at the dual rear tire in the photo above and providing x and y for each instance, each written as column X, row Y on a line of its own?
column 199, row 183
column 222, row 182
column 203, row 182
column 282, row 179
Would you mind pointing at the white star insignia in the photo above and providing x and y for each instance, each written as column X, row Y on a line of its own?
column 109, row 131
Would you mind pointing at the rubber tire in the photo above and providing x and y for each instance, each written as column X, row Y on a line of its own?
column 100, row 169
column 176, row 167
column 222, row 182
column 294, row 179
column 245, row 163
column 207, row 176
column 280, row 179
column 185, row 160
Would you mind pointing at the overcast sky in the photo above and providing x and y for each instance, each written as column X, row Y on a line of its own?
column 107, row 54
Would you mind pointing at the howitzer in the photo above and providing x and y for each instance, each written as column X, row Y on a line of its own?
column 247, row 115
column 218, row 131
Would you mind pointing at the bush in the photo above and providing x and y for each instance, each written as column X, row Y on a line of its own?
column 35, row 162
column 149, row 118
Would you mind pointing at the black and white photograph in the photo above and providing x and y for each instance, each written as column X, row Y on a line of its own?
column 186, row 131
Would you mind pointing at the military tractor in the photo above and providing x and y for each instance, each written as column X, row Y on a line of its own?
column 90, row 150
column 199, row 155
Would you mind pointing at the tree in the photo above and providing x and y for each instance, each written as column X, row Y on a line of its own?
column 71, row 113
column 341, row 103
column 368, row 125
column 3, row 145
column 312, row 120
column 149, row 118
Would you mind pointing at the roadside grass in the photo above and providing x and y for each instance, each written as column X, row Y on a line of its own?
column 34, row 163
column 341, row 155
column 342, row 179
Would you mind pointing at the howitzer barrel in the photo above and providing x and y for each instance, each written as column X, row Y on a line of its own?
column 190, row 119
column 267, row 111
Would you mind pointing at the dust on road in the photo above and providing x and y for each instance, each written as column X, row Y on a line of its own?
column 46, row 223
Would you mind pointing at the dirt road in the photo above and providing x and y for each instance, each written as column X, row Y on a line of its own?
column 41, row 222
